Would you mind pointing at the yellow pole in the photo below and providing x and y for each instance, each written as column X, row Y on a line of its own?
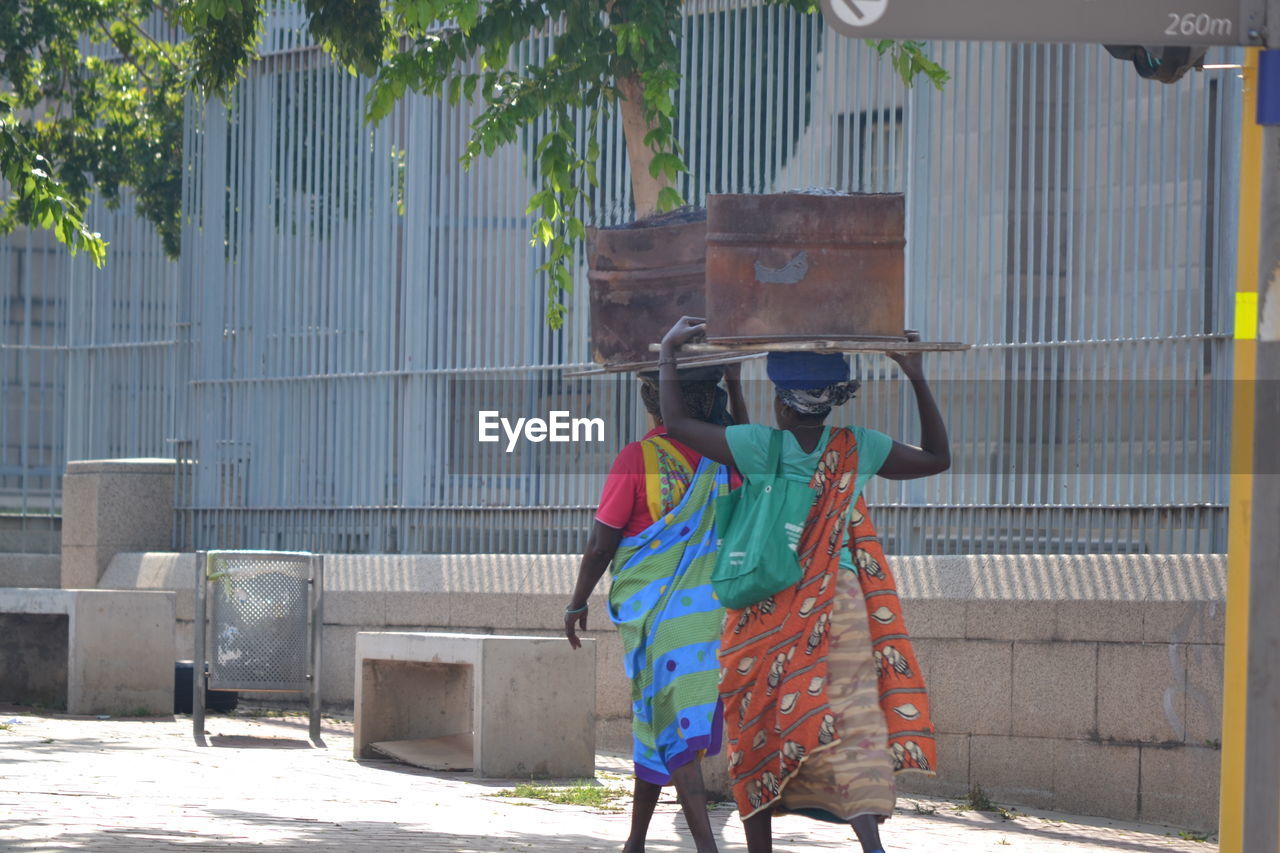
column 1235, row 659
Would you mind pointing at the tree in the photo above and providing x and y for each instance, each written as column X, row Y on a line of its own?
column 92, row 101
column 37, row 198
column 117, row 122
column 606, row 53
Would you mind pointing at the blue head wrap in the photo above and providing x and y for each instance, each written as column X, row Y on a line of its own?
column 804, row 371
column 811, row 382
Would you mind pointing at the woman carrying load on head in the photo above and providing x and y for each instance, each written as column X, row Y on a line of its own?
column 656, row 525
column 822, row 693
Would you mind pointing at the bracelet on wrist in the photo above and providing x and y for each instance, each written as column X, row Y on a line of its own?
column 569, row 611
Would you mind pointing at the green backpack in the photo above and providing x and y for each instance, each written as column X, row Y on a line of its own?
column 760, row 525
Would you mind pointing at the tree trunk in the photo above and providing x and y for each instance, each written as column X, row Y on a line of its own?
column 644, row 187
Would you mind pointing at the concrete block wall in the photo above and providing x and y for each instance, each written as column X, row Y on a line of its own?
column 111, row 506
column 1090, row 684
column 28, row 552
column 1097, row 690
column 30, row 571
column 32, row 534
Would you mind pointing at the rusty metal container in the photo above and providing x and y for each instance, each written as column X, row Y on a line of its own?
column 802, row 266
column 644, row 276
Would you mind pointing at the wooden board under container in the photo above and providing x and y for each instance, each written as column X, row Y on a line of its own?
column 709, row 359
column 759, row 346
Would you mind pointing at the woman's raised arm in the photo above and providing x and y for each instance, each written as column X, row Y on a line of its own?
column 933, row 456
column 707, row 439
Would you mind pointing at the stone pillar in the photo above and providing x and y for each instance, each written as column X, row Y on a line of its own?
column 111, row 506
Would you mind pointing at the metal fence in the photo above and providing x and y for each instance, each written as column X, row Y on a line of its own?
column 349, row 298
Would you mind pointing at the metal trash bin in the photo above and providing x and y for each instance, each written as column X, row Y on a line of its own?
column 258, row 617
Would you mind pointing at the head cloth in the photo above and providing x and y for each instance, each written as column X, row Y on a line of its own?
column 811, row 382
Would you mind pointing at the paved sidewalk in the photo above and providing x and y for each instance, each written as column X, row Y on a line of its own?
column 143, row 785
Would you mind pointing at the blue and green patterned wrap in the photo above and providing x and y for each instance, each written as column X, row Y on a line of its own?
column 669, row 619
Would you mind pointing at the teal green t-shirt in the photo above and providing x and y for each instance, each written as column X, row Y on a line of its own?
column 749, row 444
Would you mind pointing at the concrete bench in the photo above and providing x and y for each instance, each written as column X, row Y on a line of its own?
column 94, row 651
column 502, row 706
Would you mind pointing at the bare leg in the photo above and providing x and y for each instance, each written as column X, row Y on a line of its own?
column 693, row 801
column 759, row 831
column 868, row 829
column 642, row 805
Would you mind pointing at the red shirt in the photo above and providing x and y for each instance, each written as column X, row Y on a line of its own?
column 624, row 504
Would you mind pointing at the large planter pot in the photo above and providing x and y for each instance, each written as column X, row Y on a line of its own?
column 799, row 266
column 644, row 276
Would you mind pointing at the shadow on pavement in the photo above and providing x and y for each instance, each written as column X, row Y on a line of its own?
column 1027, row 826
column 252, row 742
column 296, row 835
column 84, row 744
column 283, row 834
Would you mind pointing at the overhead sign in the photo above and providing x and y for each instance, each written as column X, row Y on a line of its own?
column 860, row 13
column 1144, row 22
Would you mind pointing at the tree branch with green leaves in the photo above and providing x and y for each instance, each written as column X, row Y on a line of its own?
column 99, row 100
column 104, row 124
column 35, row 197
column 603, row 54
